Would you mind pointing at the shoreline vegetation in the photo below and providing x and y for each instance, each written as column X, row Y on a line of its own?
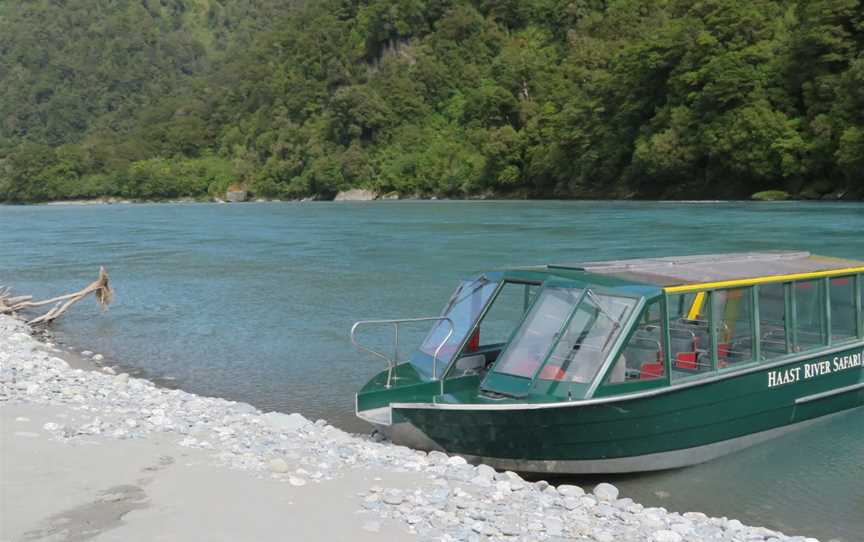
column 368, row 196
column 522, row 99
column 159, row 458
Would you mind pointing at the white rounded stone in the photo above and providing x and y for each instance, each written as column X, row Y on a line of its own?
column 485, row 471
column 278, row 465
column 570, row 491
column 455, row 461
column 606, row 492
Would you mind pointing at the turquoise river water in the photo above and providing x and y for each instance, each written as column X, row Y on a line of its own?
column 254, row 302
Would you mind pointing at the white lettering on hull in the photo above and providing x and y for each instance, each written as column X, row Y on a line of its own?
column 814, row 369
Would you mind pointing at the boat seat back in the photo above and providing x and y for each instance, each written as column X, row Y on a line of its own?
column 682, row 339
column 641, row 351
column 473, row 363
column 689, row 339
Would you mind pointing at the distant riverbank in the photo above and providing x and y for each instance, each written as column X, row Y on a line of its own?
column 364, row 194
column 396, row 197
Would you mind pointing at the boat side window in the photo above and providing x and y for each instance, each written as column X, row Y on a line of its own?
column 495, row 328
column 772, row 321
column 690, row 335
column 733, row 326
column 528, row 348
column 464, row 308
column 809, row 302
column 844, row 321
column 589, row 338
column 642, row 358
column 506, row 312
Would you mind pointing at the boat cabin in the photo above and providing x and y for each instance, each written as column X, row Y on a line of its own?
column 598, row 329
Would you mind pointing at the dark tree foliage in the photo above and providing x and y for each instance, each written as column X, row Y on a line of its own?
column 158, row 99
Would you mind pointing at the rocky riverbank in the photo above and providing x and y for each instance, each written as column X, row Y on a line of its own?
column 385, row 490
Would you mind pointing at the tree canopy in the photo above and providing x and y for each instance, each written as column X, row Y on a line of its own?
column 153, row 99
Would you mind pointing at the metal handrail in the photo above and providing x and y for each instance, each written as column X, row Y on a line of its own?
column 391, row 363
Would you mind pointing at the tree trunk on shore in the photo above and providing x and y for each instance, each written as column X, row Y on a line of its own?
column 100, row 288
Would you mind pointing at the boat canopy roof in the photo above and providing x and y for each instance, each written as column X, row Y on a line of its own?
column 690, row 273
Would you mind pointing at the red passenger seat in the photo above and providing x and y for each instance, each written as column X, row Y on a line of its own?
column 552, row 372
column 651, row 370
column 686, row 360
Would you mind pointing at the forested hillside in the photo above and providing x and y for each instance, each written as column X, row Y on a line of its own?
column 153, row 99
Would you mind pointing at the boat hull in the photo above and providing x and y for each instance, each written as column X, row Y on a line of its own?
column 679, row 426
column 649, row 462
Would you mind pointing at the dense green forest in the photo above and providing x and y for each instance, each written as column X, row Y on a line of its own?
column 151, row 99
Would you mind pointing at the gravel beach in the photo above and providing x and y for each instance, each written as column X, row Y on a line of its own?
column 90, row 455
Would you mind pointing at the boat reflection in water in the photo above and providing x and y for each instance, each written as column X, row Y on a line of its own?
column 626, row 366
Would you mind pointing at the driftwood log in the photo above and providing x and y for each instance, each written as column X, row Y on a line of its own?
column 100, row 288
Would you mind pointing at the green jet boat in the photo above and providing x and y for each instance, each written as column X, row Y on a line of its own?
column 626, row 366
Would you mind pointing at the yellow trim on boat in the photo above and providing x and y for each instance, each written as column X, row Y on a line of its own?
column 761, row 280
column 696, row 307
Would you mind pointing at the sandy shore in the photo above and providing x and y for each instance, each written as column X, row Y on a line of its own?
column 87, row 455
column 154, row 489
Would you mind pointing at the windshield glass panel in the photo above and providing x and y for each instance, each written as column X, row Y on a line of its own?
column 529, row 346
column 464, row 308
column 588, row 339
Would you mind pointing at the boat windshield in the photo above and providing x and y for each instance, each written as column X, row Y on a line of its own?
column 464, row 308
column 588, row 339
column 572, row 340
column 535, row 336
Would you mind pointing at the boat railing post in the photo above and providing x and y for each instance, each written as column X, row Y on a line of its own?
column 396, row 342
column 755, row 310
column 859, row 304
column 393, row 361
column 438, row 350
column 791, row 317
column 667, row 341
column 713, row 332
column 826, row 308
